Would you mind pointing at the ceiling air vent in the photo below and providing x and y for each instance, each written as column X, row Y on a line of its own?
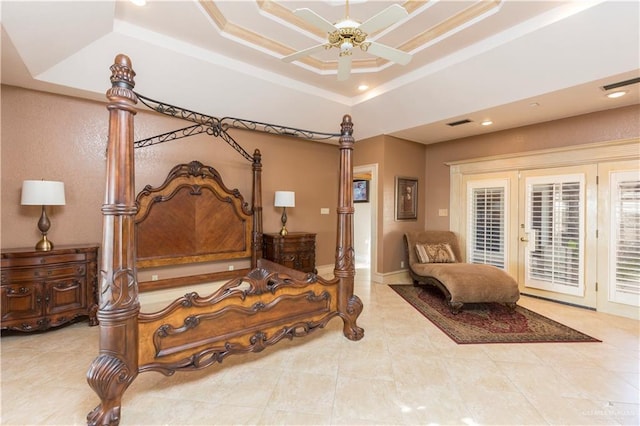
column 621, row 84
column 458, row 123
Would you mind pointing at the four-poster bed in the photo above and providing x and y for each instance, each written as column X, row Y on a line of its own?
column 246, row 314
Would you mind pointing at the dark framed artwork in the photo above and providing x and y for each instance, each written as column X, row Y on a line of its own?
column 406, row 198
column 360, row 191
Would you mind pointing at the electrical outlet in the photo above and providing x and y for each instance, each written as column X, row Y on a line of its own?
column 231, row 267
column 324, row 210
column 402, row 263
column 154, row 277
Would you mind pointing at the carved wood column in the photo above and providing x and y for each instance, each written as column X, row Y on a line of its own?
column 117, row 363
column 256, row 238
column 349, row 305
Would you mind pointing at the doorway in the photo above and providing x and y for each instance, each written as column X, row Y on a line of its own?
column 365, row 220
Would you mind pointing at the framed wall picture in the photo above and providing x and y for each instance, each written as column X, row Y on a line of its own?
column 360, row 191
column 406, row 198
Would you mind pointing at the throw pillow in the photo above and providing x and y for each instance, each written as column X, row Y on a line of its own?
column 435, row 253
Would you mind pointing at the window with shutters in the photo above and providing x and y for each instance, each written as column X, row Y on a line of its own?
column 487, row 201
column 555, row 223
column 624, row 275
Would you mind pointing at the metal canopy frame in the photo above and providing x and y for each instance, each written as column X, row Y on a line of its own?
column 218, row 127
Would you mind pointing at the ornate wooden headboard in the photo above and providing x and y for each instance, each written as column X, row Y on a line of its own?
column 192, row 217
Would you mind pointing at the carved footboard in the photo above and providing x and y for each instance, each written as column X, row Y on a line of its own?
column 245, row 315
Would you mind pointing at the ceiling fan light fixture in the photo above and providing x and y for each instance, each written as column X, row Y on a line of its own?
column 345, row 47
column 347, row 34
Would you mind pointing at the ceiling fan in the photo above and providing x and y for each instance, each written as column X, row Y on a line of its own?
column 348, row 34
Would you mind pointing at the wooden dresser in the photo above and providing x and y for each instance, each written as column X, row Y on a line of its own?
column 296, row 250
column 43, row 289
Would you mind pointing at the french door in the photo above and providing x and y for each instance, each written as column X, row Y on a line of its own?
column 491, row 220
column 619, row 242
column 557, row 236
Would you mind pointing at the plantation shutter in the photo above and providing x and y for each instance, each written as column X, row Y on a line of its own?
column 624, row 282
column 556, row 240
column 486, row 230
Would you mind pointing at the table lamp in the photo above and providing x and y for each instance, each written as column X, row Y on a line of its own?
column 43, row 193
column 285, row 199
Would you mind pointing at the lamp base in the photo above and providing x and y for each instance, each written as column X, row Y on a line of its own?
column 44, row 244
column 283, row 219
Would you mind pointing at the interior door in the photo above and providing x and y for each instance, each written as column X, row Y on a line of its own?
column 558, row 234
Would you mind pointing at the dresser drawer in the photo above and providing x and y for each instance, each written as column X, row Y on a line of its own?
column 298, row 247
column 38, row 274
column 41, row 260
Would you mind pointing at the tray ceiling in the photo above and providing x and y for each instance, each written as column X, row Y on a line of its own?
column 514, row 62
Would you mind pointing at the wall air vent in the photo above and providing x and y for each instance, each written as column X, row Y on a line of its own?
column 459, row 122
column 621, row 84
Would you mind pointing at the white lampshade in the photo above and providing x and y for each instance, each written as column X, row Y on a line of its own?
column 42, row 193
column 285, row 199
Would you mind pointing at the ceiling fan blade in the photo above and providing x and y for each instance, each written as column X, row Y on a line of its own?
column 314, row 19
column 344, row 67
column 389, row 53
column 303, row 53
column 387, row 17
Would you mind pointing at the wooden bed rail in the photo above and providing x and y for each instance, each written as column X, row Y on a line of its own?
column 270, row 303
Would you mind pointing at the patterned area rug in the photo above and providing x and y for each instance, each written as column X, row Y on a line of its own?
column 487, row 322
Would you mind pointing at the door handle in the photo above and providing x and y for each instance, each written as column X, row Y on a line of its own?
column 529, row 237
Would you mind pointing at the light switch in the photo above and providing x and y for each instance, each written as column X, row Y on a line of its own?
column 443, row 212
column 324, row 210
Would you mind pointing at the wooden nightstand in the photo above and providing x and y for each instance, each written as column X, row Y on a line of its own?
column 43, row 289
column 296, row 250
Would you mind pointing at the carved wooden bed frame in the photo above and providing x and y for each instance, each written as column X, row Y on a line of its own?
column 246, row 314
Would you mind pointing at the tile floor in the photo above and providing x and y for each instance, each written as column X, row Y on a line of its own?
column 404, row 372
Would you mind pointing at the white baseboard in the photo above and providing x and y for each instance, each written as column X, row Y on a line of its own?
column 395, row 277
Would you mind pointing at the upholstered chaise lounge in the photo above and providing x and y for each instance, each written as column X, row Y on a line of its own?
column 435, row 259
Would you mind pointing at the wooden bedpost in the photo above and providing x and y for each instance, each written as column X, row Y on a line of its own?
column 117, row 363
column 256, row 238
column 349, row 305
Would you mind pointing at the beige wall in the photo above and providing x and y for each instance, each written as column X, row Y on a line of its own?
column 395, row 157
column 61, row 138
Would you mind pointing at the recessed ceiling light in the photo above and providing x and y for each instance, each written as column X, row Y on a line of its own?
column 139, row 2
column 617, row 94
column 363, row 87
column 487, row 123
